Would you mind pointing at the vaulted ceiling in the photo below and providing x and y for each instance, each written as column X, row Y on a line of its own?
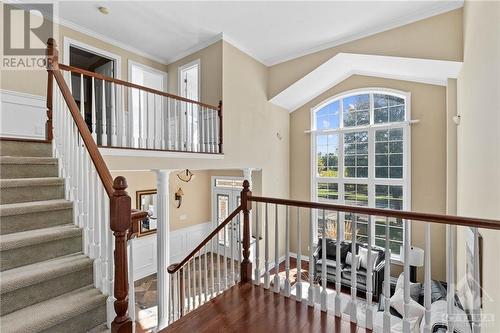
column 271, row 32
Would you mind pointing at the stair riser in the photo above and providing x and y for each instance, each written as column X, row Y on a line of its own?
column 30, row 149
column 45, row 290
column 81, row 323
column 12, row 171
column 26, row 194
column 39, row 252
column 38, row 220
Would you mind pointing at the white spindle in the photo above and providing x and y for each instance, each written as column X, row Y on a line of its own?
column 114, row 137
column 166, row 132
column 206, row 273
column 104, row 137
column 476, row 292
column 257, row 245
column 324, row 295
column 189, row 285
column 219, row 281
column 123, row 112
column 298, row 286
column 354, row 269
column 200, row 279
column 267, row 278
column 94, row 116
column 140, row 143
column 104, row 224
column 97, row 229
column 212, row 268
column 387, row 279
column 286, row 288
column 310, row 291
column 406, row 268
column 427, row 279
column 276, row 253
column 369, row 279
column 450, row 276
column 338, row 286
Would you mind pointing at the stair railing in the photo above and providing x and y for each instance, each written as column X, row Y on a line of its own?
column 276, row 220
column 121, row 114
column 219, row 262
column 102, row 207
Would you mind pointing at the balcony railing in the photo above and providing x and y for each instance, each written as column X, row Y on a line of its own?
column 120, row 114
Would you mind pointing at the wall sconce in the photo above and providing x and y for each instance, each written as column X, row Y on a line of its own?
column 185, row 176
column 178, row 197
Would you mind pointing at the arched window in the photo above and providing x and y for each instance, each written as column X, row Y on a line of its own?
column 361, row 156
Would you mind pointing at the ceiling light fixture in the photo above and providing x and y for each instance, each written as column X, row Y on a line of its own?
column 185, row 176
column 104, row 10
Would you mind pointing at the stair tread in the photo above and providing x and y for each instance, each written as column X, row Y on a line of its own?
column 22, row 182
column 27, row 160
column 34, row 207
column 24, row 276
column 46, row 314
column 37, row 236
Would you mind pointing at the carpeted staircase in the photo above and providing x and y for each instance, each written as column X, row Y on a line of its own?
column 46, row 282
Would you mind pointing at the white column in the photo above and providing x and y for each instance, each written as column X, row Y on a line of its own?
column 163, row 236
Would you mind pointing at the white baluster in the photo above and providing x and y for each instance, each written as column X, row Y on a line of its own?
column 212, row 268
column 310, row 290
column 149, row 140
column 114, row 137
column 387, row 279
column 200, row 279
column 354, row 270
column 406, row 269
column 103, row 249
column 85, row 201
column 189, row 285
column 94, row 116
column 231, row 257
column 156, row 142
column 219, row 281
column 166, row 132
column 206, row 273
column 324, row 294
column 140, row 143
column 104, row 138
column 450, row 276
column 91, row 208
column 257, row 245
column 276, row 253
column 97, row 230
column 369, row 277
column 338, row 286
column 193, row 144
column 287, row 287
column 298, row 286
column 476, row 292
column 267, row 278
column 427, row 279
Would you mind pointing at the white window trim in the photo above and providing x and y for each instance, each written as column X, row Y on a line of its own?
column 197, row 63
column 371, row 180
column 68, row 42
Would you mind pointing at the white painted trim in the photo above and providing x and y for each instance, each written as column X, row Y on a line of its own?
column 86, row 47
column 344, row 65
column 158, row 153
column 190, row 64
column 11, row 103
column 440, row 8
column 132, row 63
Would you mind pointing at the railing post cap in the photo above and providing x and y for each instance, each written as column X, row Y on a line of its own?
column 120, row 183
column 246, row 185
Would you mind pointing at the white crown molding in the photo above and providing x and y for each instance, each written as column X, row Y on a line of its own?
column 440, row 8
column 343, row 65
column 196, row 48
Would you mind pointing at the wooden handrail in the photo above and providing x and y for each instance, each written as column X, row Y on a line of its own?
column 175, row 267
column 132, row 85
column 434, row 218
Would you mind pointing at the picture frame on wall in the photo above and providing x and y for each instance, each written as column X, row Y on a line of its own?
column 147, row 201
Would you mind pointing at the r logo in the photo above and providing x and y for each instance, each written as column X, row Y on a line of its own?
column 26, row 28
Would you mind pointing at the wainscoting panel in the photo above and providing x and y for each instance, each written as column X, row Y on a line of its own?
column 23, row 115
column 182, row 241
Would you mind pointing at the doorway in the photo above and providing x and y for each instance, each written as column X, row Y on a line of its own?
column 226, row 197
column 86, row 57
column 189, row 87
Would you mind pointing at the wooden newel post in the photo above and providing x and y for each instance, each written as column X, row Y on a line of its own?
column 219, row 112
column 120, row 213
column 246, row 264
column 52, row 63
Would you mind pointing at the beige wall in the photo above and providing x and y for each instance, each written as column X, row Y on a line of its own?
column 479, row 141
column 211, row 73
column 35, row 82
column 437, row 37
column 428, row 148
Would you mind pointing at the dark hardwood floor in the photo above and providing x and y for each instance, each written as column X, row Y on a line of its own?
column 249, row 308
